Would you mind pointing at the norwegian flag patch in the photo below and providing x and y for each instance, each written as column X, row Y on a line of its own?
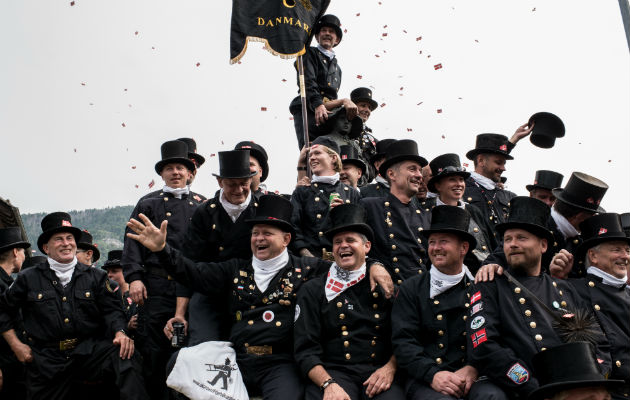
column 478, row 337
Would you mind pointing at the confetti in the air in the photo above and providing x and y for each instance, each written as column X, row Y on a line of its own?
column 404, row 31
column 533, row 9
column 418, row 38
column 152, row 183
column 123, row 125
column 409, row 129
column 359, row 76
column 444, row 137
column 384, row 26
column 420, row 103
column 376, row 55
column 213, row 155
column 439, row 111
column 136, row 186
column 284, row 80
column 437, row 66
column 383, row 105
column 465, row 165
column 384, row 34
column 75, row 150
column 133, row 167
column 358, row 14
column 261, row 109
column 82, row 83
column 136, row 33
column 71, row 3
column 198, row 64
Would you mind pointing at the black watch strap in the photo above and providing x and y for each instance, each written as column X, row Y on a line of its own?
column 327, row 382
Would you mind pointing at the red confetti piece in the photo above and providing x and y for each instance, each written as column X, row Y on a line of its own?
column 379, row 3
column 465, row 164
column 213, row 155
column 460, row 98
column 345, row 31
column 222, row 142
column 384, row 26
column 418, row 38
column 152, row 183
column 198, row 64
column 240, row 62
column 376, row 55
column 290, row 118
column 420, row 52
column 384, row 34
column 125, row 89
column 409, row 129
column 444, row 137
column 404, row 31
column 123, row 125
column 133, row 167
column 359, row 76
column 358, row 14
column 429, row 56
column 402, row 87
column 71, row 3
column 82, row 83
column 439, row 111
column 420, row 103
column 152, row 47
column 75, row 150
column 284, row 80
column 476, row 41
column 533, row 9
column 261, row 109
column 136, row 33
column 383, row 105
column 609, row 160
column 136, row 186
column 437, row 66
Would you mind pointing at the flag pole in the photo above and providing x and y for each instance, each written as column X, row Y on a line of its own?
column 300, row 64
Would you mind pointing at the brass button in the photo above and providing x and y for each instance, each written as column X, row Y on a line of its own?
column 484, row 248
column 528, row 313
column 465, row 317
column 213, row 205
column 278, row 323
column 400, row 281
column 344, row 328
column 554, row 284
column 575, row 241
column 467, row 305
column 375, row 306
column 389, row 214
column 348, row 356
column 339, row 304
column 438, row 360
column 166, row 199
column 250, row 322
column 387, row 204
column 440, row 345
column 377, row 316
column 64, row 298
column 396, row 270
column 543, row 349
column 517, row 290
column 469, row 199
column 418, row 211
column 420, row 229
column 391, row 235
column 346, row 343
column 521, row 300
column 532, row 324
column 436, row 302
column 39, row 296
column 375, row 294
column 319, row 216
column 66, row 320
column 235, row 280
column 393, row 247
column 214, row 226
column 377, row 327
column 591, row 284
column 321, row 233
column 316, row 198
column 419, row 240
column 596, row 307
column 538, row 337
column 342, row 316
column 373, row 355
column 373, row 343
column 563, row 303
column 560, row 292
column 475, row 230
column 88, row 294
column 395, row 259
column 168, row 214
column 441, row 332
column 618, row 363
column 344, row 333
column 439, row 317
column 190, row 202
column 220, row 248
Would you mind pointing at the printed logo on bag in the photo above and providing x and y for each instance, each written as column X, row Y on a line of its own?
column 224, row 372
column 477, row 322
column 476, row 308
column 518, row 374
column 268, row 316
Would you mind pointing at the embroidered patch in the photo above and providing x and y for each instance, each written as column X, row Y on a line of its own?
column 196, row 197
column 556, row 304
column 476, row 308
column 268, row 316
column 478, row 337
column 65, row 223
column 518, row 374
column 602, row 231
column 475, row 297
column 108, row 286
column 297, row 313
column 477, row 322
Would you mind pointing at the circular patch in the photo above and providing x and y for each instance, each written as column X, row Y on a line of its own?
column 477, row 322
column 268, row 316
column 555, row 304
column 297, row 312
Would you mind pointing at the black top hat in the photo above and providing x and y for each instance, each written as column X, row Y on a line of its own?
column 363, row 94
column 174, row 151
column 54, row 223
column 598, row 229
column 114, row 258
column 234, row 164
column 274, row 210
column 567, row 366
column 33, row 261
column 198, row 159
column 330, row 21
column 381, row 149
column 328, row 142
column 348, row 218
column 350, row 155
column 529, row 214
column 443, row 166
column 491, row 143
column 338, row 122
column 86, row 243
column 582, row 191
column 401, row 150
column 11, row 238
column 451, row 219
column 546, row 180
column 625, row 223
column 256, row 151
column 547, row 127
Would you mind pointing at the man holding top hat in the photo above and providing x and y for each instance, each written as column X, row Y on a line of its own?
column 429, row 317
column 258, row 162
column 75, row 327
column 87, row 251
column 380, row 187
column 544, row 182
column 150, row 286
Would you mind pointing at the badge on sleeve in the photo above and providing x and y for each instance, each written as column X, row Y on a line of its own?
column 475, row 297
column 518, row 374
column 478, row 337
column 268, row 316
column 476, row 308
column 477, row 322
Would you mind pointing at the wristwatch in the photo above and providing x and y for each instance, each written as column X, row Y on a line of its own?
column 326, row 383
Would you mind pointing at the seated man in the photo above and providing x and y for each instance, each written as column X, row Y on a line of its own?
column 74, row 324
column 342, row 326
column 430, row 313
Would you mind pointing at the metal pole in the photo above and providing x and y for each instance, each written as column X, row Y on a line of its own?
column 300, row 64
column 624, row 6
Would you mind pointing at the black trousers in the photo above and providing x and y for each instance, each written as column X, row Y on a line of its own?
column 55, row 375
column 13, row 380
column 206, row 321
column 478, row 390
column 270, row 376
column 352, row 382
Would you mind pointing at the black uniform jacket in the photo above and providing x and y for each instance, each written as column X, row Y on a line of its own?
column 507, row 327
column 310, row 209
column 6, row 354
column 86, row 308
column 493, row 204
column 322, row 78
column 353, row 328
column 375, row 189
column 397, row 227
column 429, row 335
column 258, row 318
column 612, row 308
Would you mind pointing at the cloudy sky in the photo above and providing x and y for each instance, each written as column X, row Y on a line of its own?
column 89, row 92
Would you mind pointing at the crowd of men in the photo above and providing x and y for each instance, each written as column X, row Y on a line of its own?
column 383, row 275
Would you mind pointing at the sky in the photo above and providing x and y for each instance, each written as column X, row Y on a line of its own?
column 89, row 92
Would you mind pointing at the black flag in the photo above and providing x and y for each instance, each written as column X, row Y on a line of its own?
column 285, row 26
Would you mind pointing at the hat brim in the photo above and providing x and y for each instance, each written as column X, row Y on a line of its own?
column 537, row 230
column 45, row 236
column 373, row 104
column 582, row 249
column 395, row 160
column 436, row 178
column 553, row 388
column 358, row 163
column 358, row 228
column 474, row 152
column 19, row 245
column 559, row 194
column 236, row 177
column 197, row 158
column 278, row 223
column 159, row 166
column 532, row 187
column 109, row 265
column 462, row 234
column 96, row 254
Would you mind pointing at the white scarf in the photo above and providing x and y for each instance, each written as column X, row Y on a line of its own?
column 460, row 203
column 265, row 270
column 441, row 282
column 339, row 280
column 234, row 210
column 564, row 226
column 483, row 181
column 431, row 195
column 177, row 192
column 607, row 278
column 331, row 180
column 63, row 271
column 382, row 181
column 328, row 53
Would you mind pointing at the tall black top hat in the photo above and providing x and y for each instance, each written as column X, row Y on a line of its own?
column 598, row 229
column 113, row 259
column 625, row 223
column 328, row 142
column 350, row 155
column 198, row 159
column 330, row 21
column 363, row 94
column 582, row 191
column 443, row 166
column 451, row 219
column 256, row 151
column 274, row 210
column 547, row 127
column 54, row 223
column 567, row 366
column 174, row 151
column 401, row 150
column 234, row 164
column 86, row 243
column 11, row 238
column 348, row 218
column 491, row 143
column 529, row 214
column 33, row 261
column 546, row 180
column 381, row 149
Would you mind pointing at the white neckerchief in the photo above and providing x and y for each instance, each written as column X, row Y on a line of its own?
column 262, row 187
column 564, row 226
column 339, row 280
column 483, row 181
column 431, row 195
column 441, row 282
column 382, row 181
column 331, row 180
column 234, row 210
column 460, row 203
column 328, row 53
column 63, row 271
column 608, row 279
column 177, row 192
column 265, row 270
